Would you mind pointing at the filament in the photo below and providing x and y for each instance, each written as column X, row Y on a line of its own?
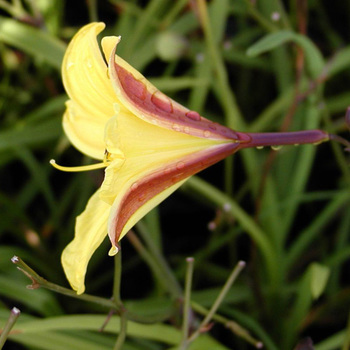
column 78, row 168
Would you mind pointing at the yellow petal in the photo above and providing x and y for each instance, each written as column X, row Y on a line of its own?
column 85, row 135
column 108, row 44
column 90, row 231
column 85, row 78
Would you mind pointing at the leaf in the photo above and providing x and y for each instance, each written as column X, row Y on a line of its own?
column 54, row 327
column 319, row 278
column 30, row 135
column 314, row 59
column 33, row 41
column 41, row 300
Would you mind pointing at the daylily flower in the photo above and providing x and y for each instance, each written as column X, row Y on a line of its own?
column 148, row 143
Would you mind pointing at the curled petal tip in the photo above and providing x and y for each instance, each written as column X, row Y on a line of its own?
column 113, row 251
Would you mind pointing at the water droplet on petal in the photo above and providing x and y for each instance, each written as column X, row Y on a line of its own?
column 88, row 63
column 259, row 147
column 180, row 165
column 212, row 126
column 276, row 148
column 162, row 102
column 206, row 133
column 176, row 127
column 193, row 115
column 70, row 64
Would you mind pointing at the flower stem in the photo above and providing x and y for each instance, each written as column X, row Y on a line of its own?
column 38, row 281
column 286, row 138
column 117, row 278
column 230, row 324
column 234, row 274
column 187, row 303
column 8, row 326
column 228, row 99
column 122, row 333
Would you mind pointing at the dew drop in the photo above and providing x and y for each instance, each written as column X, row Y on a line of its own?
column 193, row 115
column 70, row 65
column 162, row 102
column 180, row 165
column 212, row 126
column 88, row 63
column 276, row 148
column 259, row 147
column 275, row 16
column 226, row 207
column 134, row 186
column 206, row 133
column 176, row 127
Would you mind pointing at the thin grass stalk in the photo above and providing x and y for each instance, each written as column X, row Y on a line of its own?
column 231, row 279
column 4, row 333
column 187, row 303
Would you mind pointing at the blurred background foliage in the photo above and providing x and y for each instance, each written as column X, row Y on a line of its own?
column 263, row 65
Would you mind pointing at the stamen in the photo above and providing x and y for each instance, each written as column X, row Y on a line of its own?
column 79, row 168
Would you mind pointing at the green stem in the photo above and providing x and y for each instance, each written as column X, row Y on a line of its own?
column 171, row 15
column 232, row 112
column 259, row 18
column 15, row 10
column 92, row 9
column 9, row 325
column 38, row 281
column 187, row 303
column 117, row 278
column 122, row 333
column 234, row 274
column 231, row 325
